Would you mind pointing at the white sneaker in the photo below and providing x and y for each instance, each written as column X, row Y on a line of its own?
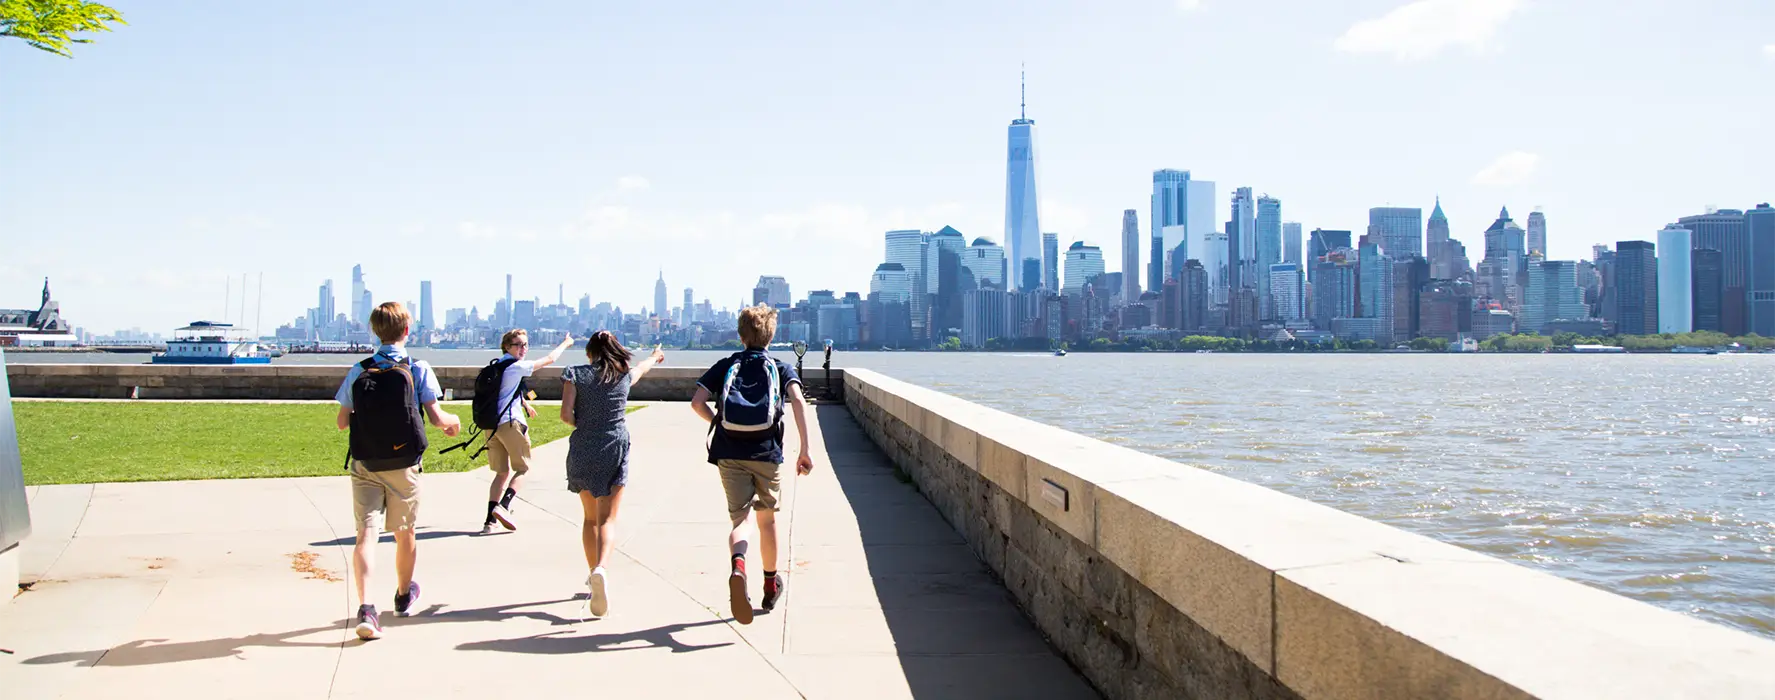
column 487, row 529
column 504, row 516
column 598, row 604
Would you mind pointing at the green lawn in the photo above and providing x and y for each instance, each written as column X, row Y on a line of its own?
column 86, row 442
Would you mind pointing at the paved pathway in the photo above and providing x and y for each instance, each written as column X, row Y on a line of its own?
column 235, row 589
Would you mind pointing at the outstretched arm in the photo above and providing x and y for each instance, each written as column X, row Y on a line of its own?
column 555, row 355
column 640, row 371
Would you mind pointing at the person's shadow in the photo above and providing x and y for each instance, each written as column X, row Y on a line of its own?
column 145, row 652
column 555, row 643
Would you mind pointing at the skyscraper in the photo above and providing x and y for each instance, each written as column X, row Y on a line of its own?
column 1050, row 262
column 1269, row 248
column 1022, row 217
column 1287, row 292
column 948, row 281
column 1291, row 243
column 891, row 282
column 985, row 261
column 1726, row 231
column 506, row 317
column 1130, row 255
column 425, row 318
column 1216, row 265
column 1505, row 265
column 1083, row 264
column 771, row 290
column 1375, row 287
column 1760, row 283
column 1552, row 295
column 1537, row 232
column 1321, row 242
column 1436, row 247
column 986, row 314
column 326, row 309
column 1182, row 210
column 1706, row 277
column 659, row 297
column 1675, row 303
column 1410, row 276
column 1401, row 230
column 1636, row 287
column 1241, row 236
column 359, row 312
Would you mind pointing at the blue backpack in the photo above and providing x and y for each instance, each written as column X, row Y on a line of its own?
column 751, row 396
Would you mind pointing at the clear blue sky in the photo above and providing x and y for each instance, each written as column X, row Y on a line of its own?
column 594, row 143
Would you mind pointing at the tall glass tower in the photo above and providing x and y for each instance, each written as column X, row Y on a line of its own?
column 1023, row 235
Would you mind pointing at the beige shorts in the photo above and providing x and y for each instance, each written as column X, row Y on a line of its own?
column 394, row 492
column 509, row 449
column 749, row 484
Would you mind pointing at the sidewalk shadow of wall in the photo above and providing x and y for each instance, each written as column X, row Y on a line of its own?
column 956, row 630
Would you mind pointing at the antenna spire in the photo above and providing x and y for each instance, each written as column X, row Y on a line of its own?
column 1023, row 91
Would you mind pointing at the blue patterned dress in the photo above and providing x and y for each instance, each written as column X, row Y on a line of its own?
column 598, row 449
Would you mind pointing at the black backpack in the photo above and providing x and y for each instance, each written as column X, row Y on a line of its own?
column 488, row 413
column 485, row 408
column 387, row 431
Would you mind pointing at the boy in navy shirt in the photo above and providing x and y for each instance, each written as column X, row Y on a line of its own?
column 748, row 450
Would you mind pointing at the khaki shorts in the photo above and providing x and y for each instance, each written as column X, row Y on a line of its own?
column 749, row 484
column 395, row 492
column 509, row 449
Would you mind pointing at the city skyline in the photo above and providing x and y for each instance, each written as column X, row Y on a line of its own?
column 248, row 160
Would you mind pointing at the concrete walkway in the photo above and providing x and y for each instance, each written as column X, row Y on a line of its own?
column 236, row 589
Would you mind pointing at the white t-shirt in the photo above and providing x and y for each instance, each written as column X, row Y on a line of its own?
column 508, row 385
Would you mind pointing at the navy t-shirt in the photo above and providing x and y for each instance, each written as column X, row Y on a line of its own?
column 723, row 446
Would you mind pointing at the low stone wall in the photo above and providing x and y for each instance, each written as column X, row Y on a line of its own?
column 1158, row 580
column 303, row 382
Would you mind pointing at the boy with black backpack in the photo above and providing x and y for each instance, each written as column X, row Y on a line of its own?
column 505, row 414
column 380, row 403
column 746, row 445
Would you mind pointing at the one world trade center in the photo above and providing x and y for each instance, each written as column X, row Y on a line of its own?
column 1023, row 232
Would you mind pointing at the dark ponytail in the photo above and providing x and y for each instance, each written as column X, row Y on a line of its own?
column 608, row 353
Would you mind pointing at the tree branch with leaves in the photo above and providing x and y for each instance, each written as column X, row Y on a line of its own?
column 50, row 24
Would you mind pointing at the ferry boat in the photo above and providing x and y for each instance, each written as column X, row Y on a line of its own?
column 1599, row 349
column 1692, row 350
column 210, row 343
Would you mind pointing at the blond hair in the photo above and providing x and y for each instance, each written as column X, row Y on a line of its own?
column 758, row 325
column 390, row 321
column 511, row 337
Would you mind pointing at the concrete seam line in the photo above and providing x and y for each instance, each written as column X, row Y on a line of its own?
column 75, row 533
column 339, row 654
column 1275, row 627
column 743, row 639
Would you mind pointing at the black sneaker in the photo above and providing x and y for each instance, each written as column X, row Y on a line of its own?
column 773, row 590
column 368, row 626
column 403, row 602
column 736, row 593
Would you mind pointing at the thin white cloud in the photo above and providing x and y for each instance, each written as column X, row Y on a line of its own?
column 1424, row 28
column 1512, row 168
column 1189, row 5
column 1769, row 51
column 632, row 182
